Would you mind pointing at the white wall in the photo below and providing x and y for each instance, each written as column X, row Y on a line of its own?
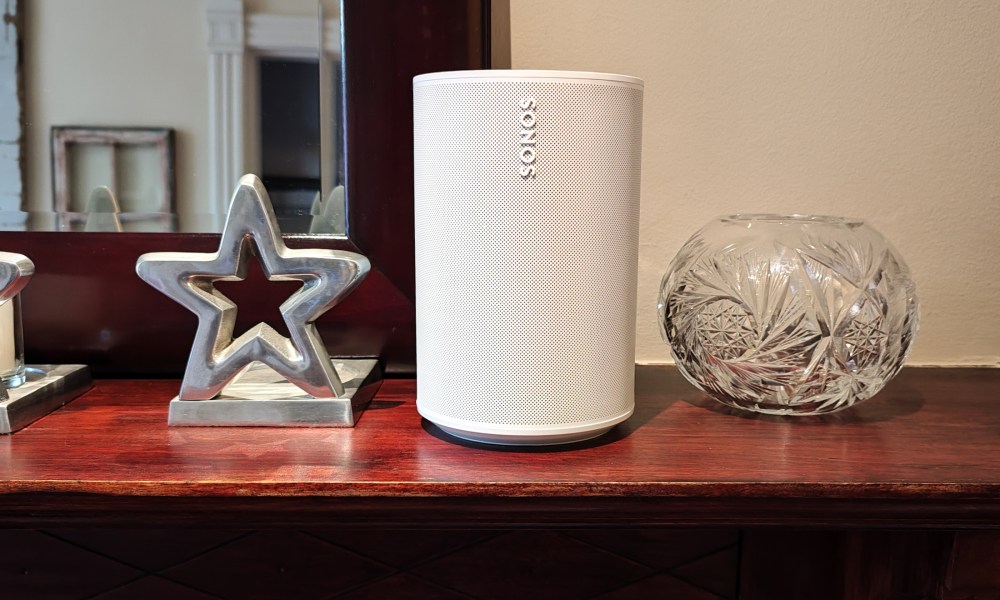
column 889, row 111
column 117, row 63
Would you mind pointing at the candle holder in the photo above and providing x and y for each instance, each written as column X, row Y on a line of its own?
column 11, row 344
column 27, row 393
column 263, row 378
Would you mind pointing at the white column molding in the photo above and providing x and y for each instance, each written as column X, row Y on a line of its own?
column 282, row 35
column 288, row 36
column 231, row 36
column 225, row 31
column 331, row 37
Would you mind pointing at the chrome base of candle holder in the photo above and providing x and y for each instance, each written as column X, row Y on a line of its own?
column 45, row 389
column 260, row 397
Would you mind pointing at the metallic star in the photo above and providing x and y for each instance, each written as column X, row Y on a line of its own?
column 328, row 276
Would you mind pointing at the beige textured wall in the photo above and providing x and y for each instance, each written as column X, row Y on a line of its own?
column 888, row 111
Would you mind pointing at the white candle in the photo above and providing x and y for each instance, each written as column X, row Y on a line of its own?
column 8, row 355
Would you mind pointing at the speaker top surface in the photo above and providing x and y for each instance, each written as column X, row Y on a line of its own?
column 526, row 75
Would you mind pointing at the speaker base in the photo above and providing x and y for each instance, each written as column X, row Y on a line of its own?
column 525, row 440
column 523, row 436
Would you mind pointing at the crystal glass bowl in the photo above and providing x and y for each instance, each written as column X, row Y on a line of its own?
column 788, row 314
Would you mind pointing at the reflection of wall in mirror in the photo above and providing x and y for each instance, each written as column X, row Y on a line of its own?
column 126, row 63
column 148, row 67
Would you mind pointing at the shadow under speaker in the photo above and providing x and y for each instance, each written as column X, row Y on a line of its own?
column 526, row 222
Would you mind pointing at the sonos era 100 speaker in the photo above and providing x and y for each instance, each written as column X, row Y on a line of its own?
column 526, row 224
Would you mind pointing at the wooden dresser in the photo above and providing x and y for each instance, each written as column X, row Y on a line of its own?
column 896, row 498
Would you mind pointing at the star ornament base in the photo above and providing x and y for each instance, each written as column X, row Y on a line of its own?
column 45, row 389
column 260, row 397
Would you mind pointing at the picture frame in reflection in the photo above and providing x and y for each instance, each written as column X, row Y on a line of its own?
column 135, row 163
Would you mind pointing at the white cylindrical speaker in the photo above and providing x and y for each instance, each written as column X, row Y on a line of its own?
column 526, row 224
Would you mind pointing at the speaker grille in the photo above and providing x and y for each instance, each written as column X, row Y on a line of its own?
column 525, row 287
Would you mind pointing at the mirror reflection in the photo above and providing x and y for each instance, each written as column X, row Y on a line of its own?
column 141, row 115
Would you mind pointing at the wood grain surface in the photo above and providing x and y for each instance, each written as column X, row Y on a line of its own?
column 923, row 453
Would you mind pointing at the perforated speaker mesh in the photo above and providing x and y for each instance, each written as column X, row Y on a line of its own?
column 525, row 286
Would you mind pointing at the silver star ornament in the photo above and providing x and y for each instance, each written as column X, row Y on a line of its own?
column 216, row 358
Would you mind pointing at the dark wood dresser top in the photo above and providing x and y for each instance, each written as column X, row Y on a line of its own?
column 923, row 453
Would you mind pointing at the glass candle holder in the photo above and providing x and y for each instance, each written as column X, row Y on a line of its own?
column 788, row 314
column 11, row 343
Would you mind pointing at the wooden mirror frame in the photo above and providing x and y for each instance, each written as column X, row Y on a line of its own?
column 86, row 305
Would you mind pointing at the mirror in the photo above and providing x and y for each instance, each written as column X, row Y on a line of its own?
column 164, row 105
column 85, row 303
